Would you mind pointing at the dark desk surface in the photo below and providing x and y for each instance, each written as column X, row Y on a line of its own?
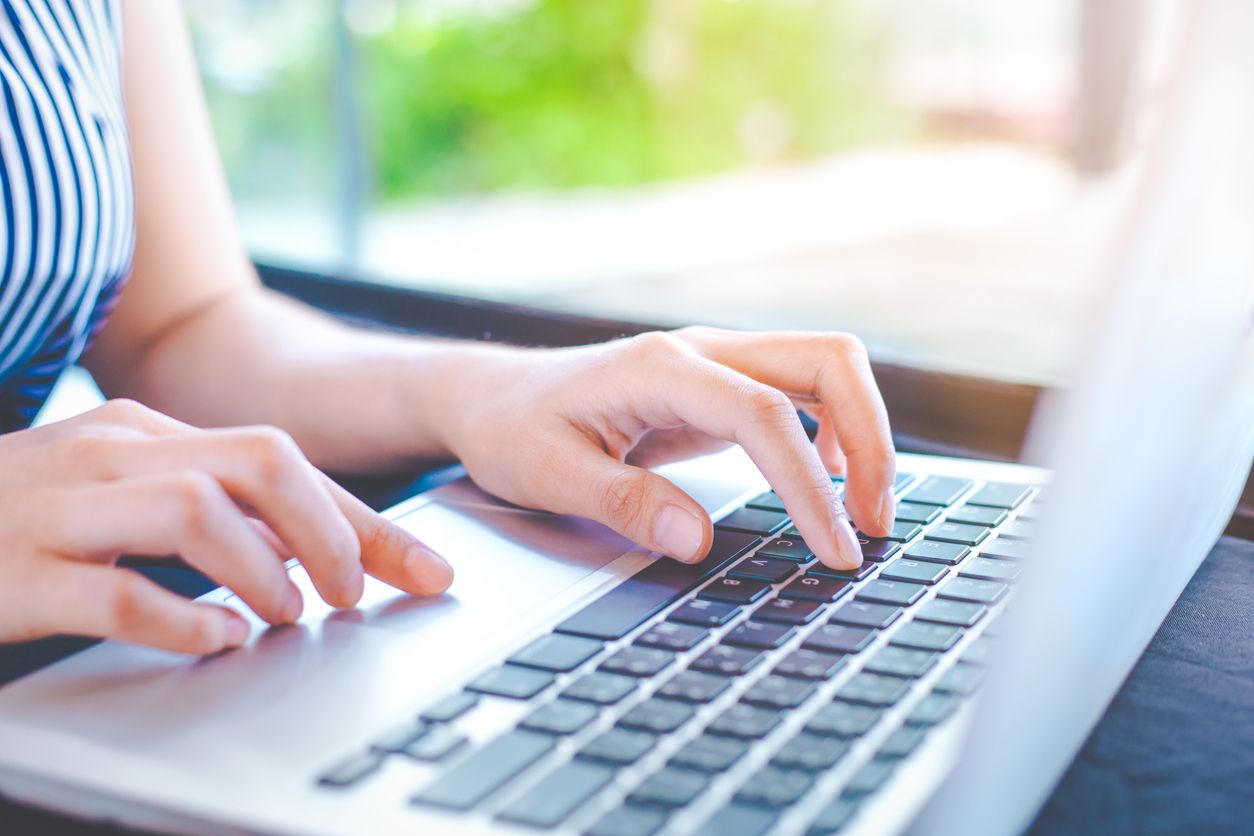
column 1174, row 753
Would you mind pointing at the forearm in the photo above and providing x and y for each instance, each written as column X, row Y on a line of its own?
column 355, row 401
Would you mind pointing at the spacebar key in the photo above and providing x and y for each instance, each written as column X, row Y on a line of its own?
column 475, row 778
column 628, row 605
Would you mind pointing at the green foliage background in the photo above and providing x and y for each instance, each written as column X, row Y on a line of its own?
column 554, row 94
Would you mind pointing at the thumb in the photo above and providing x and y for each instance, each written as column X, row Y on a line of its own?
column 638, row 504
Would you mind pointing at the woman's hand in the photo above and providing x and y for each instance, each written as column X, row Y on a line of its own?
column 124, row 480
column 568, row 430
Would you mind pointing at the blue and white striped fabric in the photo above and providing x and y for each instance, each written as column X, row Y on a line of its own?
column 66, row 196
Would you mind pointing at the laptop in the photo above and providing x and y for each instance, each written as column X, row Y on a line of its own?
column 570, row 682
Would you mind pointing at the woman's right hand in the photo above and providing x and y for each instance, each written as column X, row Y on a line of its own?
column 234, row 503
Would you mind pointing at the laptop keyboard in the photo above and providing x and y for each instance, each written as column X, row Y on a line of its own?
column 726, row 697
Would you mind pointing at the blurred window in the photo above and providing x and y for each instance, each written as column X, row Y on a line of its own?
column 927, row 175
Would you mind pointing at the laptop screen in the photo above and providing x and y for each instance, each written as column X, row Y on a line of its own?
column 1150, row 448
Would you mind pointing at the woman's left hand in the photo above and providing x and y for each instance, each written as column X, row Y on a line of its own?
column 571, row 431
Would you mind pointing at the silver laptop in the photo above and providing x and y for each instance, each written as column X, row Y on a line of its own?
column 570, row 682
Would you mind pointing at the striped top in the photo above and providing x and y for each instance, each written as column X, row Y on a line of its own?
column 67, row 214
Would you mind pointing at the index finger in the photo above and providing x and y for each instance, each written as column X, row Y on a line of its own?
column 389, row 552
column 835, row 370
column 682, row 387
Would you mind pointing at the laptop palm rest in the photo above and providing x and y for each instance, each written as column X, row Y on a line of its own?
column 293, row 693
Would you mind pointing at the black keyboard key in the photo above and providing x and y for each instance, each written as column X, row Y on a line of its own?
column 735, row 590
column 788, row 611
column 398, row 738
column 486, row 770
column 763, row 568
column 1019, row 530
column 745, row 722
column 809, row 664
column 759, row 635
column 436, row 745
column 710, row 753
column 670, row 787
column 350, row 771
column 629, row 821
column 557, row 795
column 619, row 746
column 769, row 501
column 753, row 521
column 811, row 752
column 944, row 611
column 1000, row 495
column 923, row 635
column 511, row 681
column 738, row 820
column 726, row 661
column 646, row 593
column 556, row 652
column 866, row 614
column 638, row 661
column 860, row 574
column 671, row 636
column 693, row 686
column 916, row 513
column 601, row 688
column 901, row 742
column 902, row 480
column 989, row 569
column 788, row 548
column 901, row 661
column 874, row 689
column 821, row 588
column 914, row 571
column 932, row 709
column 701, row 613
column 977, row 515
column 975, row 591
column 833, row 817
column 840, row 638
column 657, row 716
column 902, row 530
column 951, row 532
column 898, row 593
column 778, row 692
column 961, row 679
column 877, row 549
column 450, row 708
column 843, row 719
column 774, row 787
column 937, row 552
column 560, row 717
column 1004, row 549
column 938, row 490
column 869, row 778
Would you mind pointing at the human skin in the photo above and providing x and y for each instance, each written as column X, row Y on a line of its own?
column 247, row 396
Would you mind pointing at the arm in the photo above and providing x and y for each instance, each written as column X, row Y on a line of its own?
column 563, row 430
column 195, row 335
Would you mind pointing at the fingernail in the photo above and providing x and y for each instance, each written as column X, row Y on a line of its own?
column 678, row 534
column 354, row 587
column 847, row 547
column 237, row 629
column 888, row 511
column 430, row 569
column 293, row 605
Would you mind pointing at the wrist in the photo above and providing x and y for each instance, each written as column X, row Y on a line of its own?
column 452, row 380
